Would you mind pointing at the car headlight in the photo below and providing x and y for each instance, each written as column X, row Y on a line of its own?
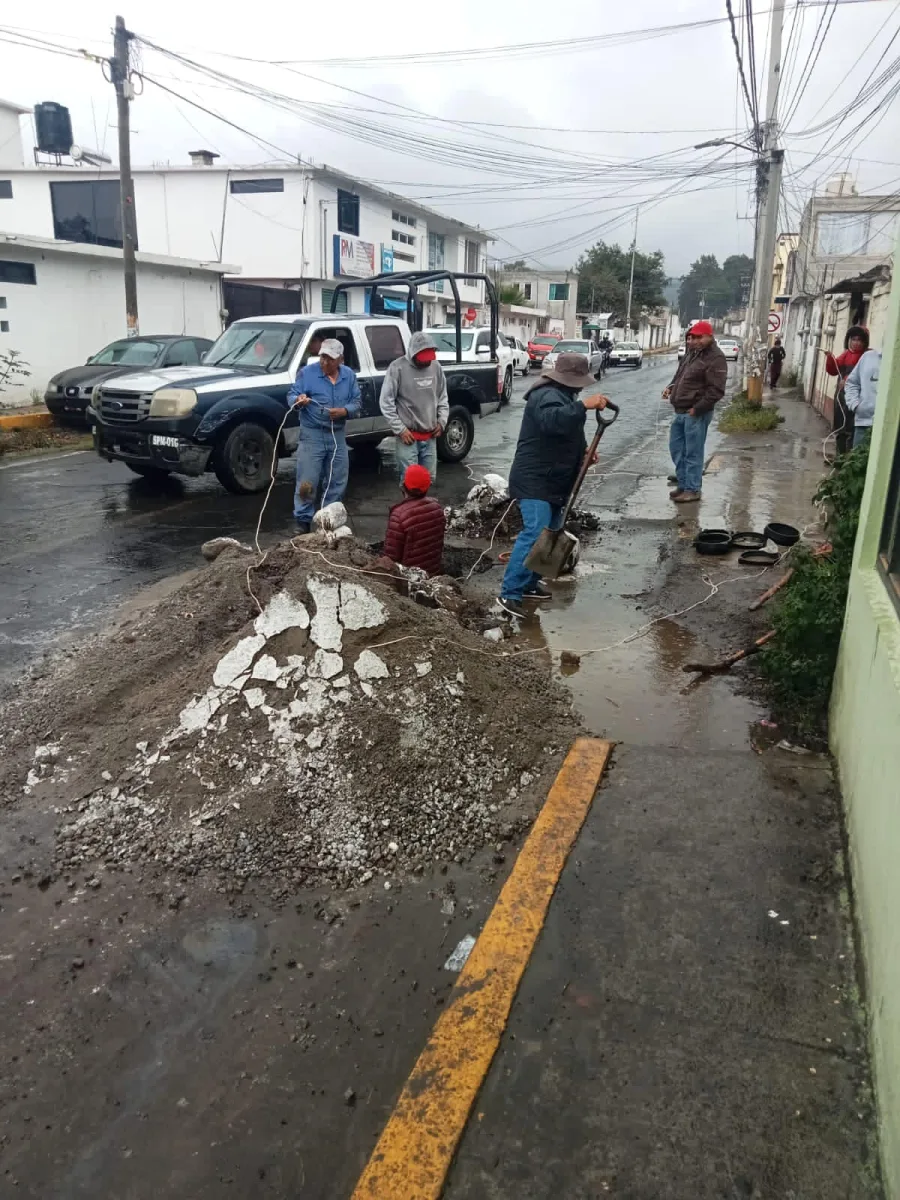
column 172, row 402
column 95, row 398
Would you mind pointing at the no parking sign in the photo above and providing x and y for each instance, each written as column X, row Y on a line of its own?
column 774, row 322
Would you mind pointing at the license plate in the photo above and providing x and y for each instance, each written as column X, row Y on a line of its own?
column 160, row 439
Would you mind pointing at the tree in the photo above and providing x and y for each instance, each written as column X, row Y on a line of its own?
column 518, row 265
column 511, row 293
column 709, row 290
column 603, row 274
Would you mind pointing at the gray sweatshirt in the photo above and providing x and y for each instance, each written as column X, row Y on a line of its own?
column 414, row 398
column 861, row 387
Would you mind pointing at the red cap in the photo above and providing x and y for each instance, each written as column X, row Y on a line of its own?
column 701, row 328
column 426, row 356
column 417, row 478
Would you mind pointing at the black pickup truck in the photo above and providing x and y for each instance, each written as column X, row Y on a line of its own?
column 224, row 415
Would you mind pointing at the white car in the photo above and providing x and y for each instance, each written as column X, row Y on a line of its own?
column 519, row 352
column 576, row 346
column 730, row 347
column 626, row 354
column 475, row 346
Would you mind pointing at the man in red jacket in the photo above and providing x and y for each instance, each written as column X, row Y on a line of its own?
column 415, row 532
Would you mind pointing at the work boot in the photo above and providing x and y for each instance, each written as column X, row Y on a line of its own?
column 671, row 479
column 515, row 608
column 303, row 526
column 676, row 492
column 686, row 497
column 539, row 592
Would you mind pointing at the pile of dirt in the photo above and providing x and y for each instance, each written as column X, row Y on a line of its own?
column 488, row 508
column 343, row 731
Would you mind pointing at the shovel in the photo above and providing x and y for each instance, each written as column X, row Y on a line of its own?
column 555, row 548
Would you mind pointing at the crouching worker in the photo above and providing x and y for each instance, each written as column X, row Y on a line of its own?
column 550, row 450
column 415, row 532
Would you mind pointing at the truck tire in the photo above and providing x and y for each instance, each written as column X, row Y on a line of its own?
column 506, row 394
column 151, row 474
column 456, row 441
column 242, row 459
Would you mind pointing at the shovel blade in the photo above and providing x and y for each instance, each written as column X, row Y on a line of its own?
column 551, row 552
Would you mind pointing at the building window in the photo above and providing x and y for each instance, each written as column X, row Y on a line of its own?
column 88, row 211
column 559, row 291
column 386, row 344
column 17, row 272
column 2, row 302
column 471, row 258
column 348, row 213
column 4, row 326
column 889, row 556
column 327, row 293
column 849, row 234
column 243, row 187
column 403, row 256
column 402, row 219
column 526, row 290
column 6, row 189
column 407, row 239
column 435, row 252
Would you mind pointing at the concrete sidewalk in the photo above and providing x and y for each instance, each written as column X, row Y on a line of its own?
column 690, row 1024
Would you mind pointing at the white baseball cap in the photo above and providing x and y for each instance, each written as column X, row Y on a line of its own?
column 332, row 348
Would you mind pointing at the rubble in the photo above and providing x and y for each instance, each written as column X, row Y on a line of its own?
column 342, row 733
column 488, row 511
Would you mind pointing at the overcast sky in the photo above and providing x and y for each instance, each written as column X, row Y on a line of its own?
column 545, row 193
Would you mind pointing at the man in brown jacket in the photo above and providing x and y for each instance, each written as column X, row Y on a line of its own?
column 698, row 385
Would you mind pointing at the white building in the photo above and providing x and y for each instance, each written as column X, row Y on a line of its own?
column 61, row 302
column 290, row 227
column 552, row 294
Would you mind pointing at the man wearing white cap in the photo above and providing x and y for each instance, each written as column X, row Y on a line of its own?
column 326, row 394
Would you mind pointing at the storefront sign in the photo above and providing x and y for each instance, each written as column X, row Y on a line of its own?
column 387, row 259
column 353, row 257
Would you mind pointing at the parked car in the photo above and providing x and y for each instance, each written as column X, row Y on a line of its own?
column 577, row 346
column 475, row 346
column 626, row 354
column 540, row 346
column 730, row 347
column 521, row 361
column 69, row 392
column 230, row 414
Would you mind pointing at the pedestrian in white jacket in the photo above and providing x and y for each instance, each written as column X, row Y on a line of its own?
column 414, row 401
column 861, row 393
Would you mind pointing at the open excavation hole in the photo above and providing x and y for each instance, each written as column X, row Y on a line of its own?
column 458, row 560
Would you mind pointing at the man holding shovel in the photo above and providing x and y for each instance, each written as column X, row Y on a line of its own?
column 549, row 454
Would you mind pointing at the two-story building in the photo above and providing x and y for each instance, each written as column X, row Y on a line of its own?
column 554, row 294
column 292, row 230
column 840, row 276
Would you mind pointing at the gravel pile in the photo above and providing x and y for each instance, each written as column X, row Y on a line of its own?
column 343, row 733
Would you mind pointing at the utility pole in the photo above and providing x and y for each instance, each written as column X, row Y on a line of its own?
column 637, row 213
column 768, row 191
column 119, row 73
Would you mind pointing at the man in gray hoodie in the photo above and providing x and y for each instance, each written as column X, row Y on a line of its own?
column 861, row 392
column 414, row 402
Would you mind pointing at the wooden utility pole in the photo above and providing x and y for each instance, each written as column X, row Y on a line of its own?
column 119, row 73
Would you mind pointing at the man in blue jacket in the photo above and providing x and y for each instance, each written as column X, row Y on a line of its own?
column 550, row 450
column 326, row 393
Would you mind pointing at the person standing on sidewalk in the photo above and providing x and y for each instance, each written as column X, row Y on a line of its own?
column 550, row 450
column 698, row 385
column 326, row 393
column 414, row 402
column 775, row 358
column 861, row 393
column 856, row 343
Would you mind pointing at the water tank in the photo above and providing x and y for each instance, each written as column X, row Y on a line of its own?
column 54, row 128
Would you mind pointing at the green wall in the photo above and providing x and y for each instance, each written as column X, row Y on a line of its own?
column 865, row 738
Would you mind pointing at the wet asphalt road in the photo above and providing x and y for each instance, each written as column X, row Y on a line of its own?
column 80, row 536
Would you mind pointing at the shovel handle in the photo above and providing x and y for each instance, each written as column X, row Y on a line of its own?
column 602, row 425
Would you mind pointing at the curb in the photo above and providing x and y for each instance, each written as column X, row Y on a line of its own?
column 32, row 420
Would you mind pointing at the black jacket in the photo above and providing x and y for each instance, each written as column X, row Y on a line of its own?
column 551, row 445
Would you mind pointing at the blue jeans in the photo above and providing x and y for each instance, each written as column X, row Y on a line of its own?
column 537, row 515
column 861, row 433
column 320, row 456
column 423, row 453
column 687, row 441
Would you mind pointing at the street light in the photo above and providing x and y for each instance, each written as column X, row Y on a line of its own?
column 725, row 142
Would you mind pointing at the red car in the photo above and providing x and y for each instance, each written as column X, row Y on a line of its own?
column 539, row 346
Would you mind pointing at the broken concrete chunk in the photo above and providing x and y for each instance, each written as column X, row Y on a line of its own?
column 282, row 612
column 238, row 660
column 494, row 635
column 342, row 682
column 325, row 630
column 200, row 711
column 266, row 668
column 331, row 517
column 214, row 547
column 360, row 609
column 255, row 697
column 325, row 665
column 368, row 689
column 423, row 669
column 370, row 666
column 315, row 739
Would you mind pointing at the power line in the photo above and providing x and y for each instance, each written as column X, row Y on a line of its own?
column 751, row 111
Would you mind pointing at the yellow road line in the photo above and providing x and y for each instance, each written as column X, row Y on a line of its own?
column 414, row 1152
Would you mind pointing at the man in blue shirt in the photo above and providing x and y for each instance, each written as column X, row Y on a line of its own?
column 326, row 394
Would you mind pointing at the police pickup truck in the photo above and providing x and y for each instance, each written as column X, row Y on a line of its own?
column 225, row 414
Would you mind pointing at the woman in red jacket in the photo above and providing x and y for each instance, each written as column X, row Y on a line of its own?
column 856, row 343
